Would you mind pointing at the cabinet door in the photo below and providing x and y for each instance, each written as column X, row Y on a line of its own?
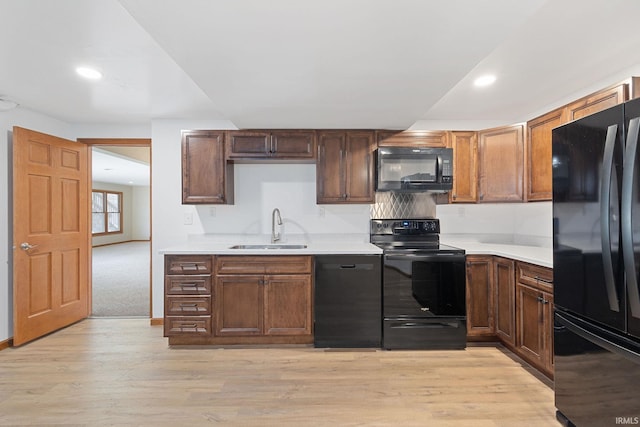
column 538, row 172
column 480, row 296
column 293, row 144
column 287, row 305
column 549, row 364
column 530, row 324
column 360, row 167
column 247, row 144
column 238, row 302
column 330, row 168
column 465, row 161
column 206, row 179
column 598, row 101
column 418, row 138
column 501, row 164
column 505, row 286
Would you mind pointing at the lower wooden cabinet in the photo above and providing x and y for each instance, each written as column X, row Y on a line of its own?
column 480, row 297
column 512, row 302
column 232, row 299
column 534, row 308
column 504, row 276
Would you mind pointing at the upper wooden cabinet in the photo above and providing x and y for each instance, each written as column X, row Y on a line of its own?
column 500, row 164
column 206, row 177
column 598, row 101
column 538, row 173
column 387, row 138
column 276, row 144
column 465, row 164
column 345, row 167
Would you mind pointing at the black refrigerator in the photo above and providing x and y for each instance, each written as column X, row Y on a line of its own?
column 596, row 265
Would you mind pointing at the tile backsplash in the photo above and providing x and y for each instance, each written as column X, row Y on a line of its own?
column 403, row 205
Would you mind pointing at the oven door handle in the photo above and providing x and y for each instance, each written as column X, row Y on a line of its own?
column 437, row 257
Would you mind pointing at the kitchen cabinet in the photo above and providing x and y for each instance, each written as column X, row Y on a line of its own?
column 408, row 138
column 297, row 145
column 500, row 164
column 480, row 296
column 187, row 301
column 206, row 177
column 538, row 172
column 504, row 283
column 534, row 316
column 263, row 299
column 345, row 167
column 465, row 164
column 597, row 101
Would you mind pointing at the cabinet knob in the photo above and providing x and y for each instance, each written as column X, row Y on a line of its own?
column 454, row 197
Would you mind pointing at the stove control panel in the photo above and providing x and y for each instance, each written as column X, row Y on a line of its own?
column 405, row 226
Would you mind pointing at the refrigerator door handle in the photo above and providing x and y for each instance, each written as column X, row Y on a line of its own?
column 596, row 338
column 605, row 215
column 626, row 213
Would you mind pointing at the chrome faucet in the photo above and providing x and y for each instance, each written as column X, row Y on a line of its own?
column 275, row 236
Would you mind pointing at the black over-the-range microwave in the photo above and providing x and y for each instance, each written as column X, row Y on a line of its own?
column 414, row 169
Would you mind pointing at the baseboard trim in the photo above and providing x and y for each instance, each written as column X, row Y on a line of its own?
column 157, row 321
column 6, row 344
column 117, row 243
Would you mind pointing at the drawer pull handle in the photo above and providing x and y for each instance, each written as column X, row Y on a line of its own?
column 189, row 285
column 188, row 304
column 542, row 279
column 189, row 325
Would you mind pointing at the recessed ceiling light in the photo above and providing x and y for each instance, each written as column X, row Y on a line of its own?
column 485, row 80
column 89, row 73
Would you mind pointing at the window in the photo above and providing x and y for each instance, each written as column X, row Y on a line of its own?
column 106, row 208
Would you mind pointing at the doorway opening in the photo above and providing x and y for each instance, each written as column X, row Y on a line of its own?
column 120, row 252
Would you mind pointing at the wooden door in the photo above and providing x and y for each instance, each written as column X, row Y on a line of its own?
column 287, row 305
column 238, row 302
column 206, row 176
column 538, row 172
column 293, row 144
column 530, row 319
column 598, row 101
column 480, row 296
column 465, row 163
column 504, row 277
column 501, row 164
column 50, row 234
column 330, row 177
column 359, row 169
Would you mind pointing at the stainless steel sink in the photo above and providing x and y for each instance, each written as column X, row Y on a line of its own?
column 268, row 247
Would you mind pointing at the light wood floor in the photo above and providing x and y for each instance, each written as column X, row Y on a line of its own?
column 121, row 372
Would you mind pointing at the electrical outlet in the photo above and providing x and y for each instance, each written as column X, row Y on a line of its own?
column 188, row 218
column 212, row 211
column 321, row 212
column 461, row 212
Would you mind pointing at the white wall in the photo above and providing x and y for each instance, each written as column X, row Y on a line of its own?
column 141, row 215
column 519, row 223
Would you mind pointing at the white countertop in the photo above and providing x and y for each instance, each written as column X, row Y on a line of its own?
column 538, row 255
column 317, row 244
column 327, row 244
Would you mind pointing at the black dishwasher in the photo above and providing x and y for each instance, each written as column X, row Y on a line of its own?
column 348, row 301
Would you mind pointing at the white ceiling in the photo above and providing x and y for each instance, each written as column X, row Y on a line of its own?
column 312, row 64
column 115, row 168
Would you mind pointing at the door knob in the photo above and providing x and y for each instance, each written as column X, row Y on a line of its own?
column 25, row 246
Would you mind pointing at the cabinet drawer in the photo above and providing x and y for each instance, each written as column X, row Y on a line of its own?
column 283, row 264
column 188, row 285
column 187, row 326
column 535, row 276
column 188, row 264
column 187, row 306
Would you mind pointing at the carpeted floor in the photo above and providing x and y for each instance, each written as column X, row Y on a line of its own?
column 121, row 280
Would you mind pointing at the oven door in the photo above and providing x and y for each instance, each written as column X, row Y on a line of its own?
column 421, row 285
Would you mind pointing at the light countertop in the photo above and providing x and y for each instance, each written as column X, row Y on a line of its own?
column 328, row 244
